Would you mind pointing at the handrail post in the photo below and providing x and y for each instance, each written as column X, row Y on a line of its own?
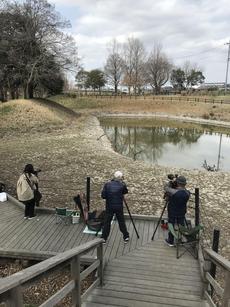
column 75, row 274
column 88, row 193
column 100, row 258
column 16, row 297
column 226, row 295
column 197, row 207
column 215, row 248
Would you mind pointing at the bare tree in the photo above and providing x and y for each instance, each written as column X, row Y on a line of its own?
column 114, row 65
column 158, row 68
column 134, row 58
column 81, row 79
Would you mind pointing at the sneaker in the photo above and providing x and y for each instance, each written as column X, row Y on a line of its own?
column 25, row 217
column 126, row 240
column 168, row 243
column 30, row 218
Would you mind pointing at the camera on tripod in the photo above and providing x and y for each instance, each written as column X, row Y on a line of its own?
column 36, row 172
column 172, row 180
column 172, row 184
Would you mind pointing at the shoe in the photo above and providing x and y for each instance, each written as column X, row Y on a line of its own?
column 168, row 243
column 25, row 217
column 126, row 240
column 30, row 218
column 104, row 241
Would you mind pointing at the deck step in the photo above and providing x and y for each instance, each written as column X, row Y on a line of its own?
column 142, row 278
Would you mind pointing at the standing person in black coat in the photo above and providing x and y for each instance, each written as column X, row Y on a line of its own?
column 178, row 197
column 113, row 192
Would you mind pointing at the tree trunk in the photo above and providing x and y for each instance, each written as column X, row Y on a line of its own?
column 25, row 91
column 3, row 96
column 12, row 93
column 30, row 91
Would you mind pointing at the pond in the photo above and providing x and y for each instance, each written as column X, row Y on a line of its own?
column 170, row 143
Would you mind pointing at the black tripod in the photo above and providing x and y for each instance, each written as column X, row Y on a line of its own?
column 158, row 223
column 131, row 219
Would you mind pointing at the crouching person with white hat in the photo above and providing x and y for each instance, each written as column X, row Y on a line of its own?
column 113, row 192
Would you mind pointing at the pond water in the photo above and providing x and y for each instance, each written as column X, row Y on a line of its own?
column 170, row 143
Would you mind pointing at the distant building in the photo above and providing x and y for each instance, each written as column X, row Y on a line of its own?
column 213, row 85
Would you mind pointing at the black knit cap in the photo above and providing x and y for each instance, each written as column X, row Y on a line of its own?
column 29, row 169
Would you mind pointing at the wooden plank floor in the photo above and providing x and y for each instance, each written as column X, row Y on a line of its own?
column 149, row 276
column 142, row 273
column 42, row 234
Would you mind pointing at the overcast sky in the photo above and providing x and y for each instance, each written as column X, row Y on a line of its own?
column 189, row 30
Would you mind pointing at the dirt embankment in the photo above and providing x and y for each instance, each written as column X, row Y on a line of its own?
column 69, row 149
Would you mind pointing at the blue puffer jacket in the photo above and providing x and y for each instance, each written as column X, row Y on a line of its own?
column 113, row 192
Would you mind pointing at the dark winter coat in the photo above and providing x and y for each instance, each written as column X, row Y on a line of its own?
column 177, row 201
column 113, row 192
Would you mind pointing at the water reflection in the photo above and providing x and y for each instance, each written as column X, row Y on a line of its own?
column 165, row 144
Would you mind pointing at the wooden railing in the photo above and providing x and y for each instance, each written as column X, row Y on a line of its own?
column 11, row 287
column 170, row 97
column 211, row 284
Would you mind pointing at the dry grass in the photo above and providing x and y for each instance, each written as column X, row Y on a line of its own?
column 178, row 107
column 28, row 116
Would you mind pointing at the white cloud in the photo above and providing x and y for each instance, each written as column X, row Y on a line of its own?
column 194, row 30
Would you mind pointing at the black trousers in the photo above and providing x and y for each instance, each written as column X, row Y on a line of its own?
column 121, row 221
column 174, row 220
column 29, row 207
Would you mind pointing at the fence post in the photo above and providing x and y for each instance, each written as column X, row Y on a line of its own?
column 100, row 258
column 226, row 295
column 197, row 207
column 16, row 298
column 215, row 248
column 88, row 192
column 75, row 274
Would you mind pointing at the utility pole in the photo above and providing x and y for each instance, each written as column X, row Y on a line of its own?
column 226, row 79
column 218, row 160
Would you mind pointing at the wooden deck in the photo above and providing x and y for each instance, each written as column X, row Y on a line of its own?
column 149, row 276
column 42, row 234
column 142, row 273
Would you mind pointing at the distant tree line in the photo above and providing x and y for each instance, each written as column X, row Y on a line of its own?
column 129, row 64
column 34, row 50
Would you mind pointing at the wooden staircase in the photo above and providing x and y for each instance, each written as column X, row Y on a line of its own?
column 149, row 276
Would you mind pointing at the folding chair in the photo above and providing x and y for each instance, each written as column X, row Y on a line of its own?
column 186, row 238
column 63, row 215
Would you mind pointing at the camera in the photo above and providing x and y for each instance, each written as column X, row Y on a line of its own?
column 172, row 184
column 36, row 172
column 172, row 180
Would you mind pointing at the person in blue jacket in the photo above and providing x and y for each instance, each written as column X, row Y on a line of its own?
column 113, row 192
column 177, row 197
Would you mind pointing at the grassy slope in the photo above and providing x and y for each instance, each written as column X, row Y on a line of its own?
column 141, row 105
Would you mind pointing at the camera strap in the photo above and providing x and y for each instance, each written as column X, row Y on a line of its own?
column 29, row 183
